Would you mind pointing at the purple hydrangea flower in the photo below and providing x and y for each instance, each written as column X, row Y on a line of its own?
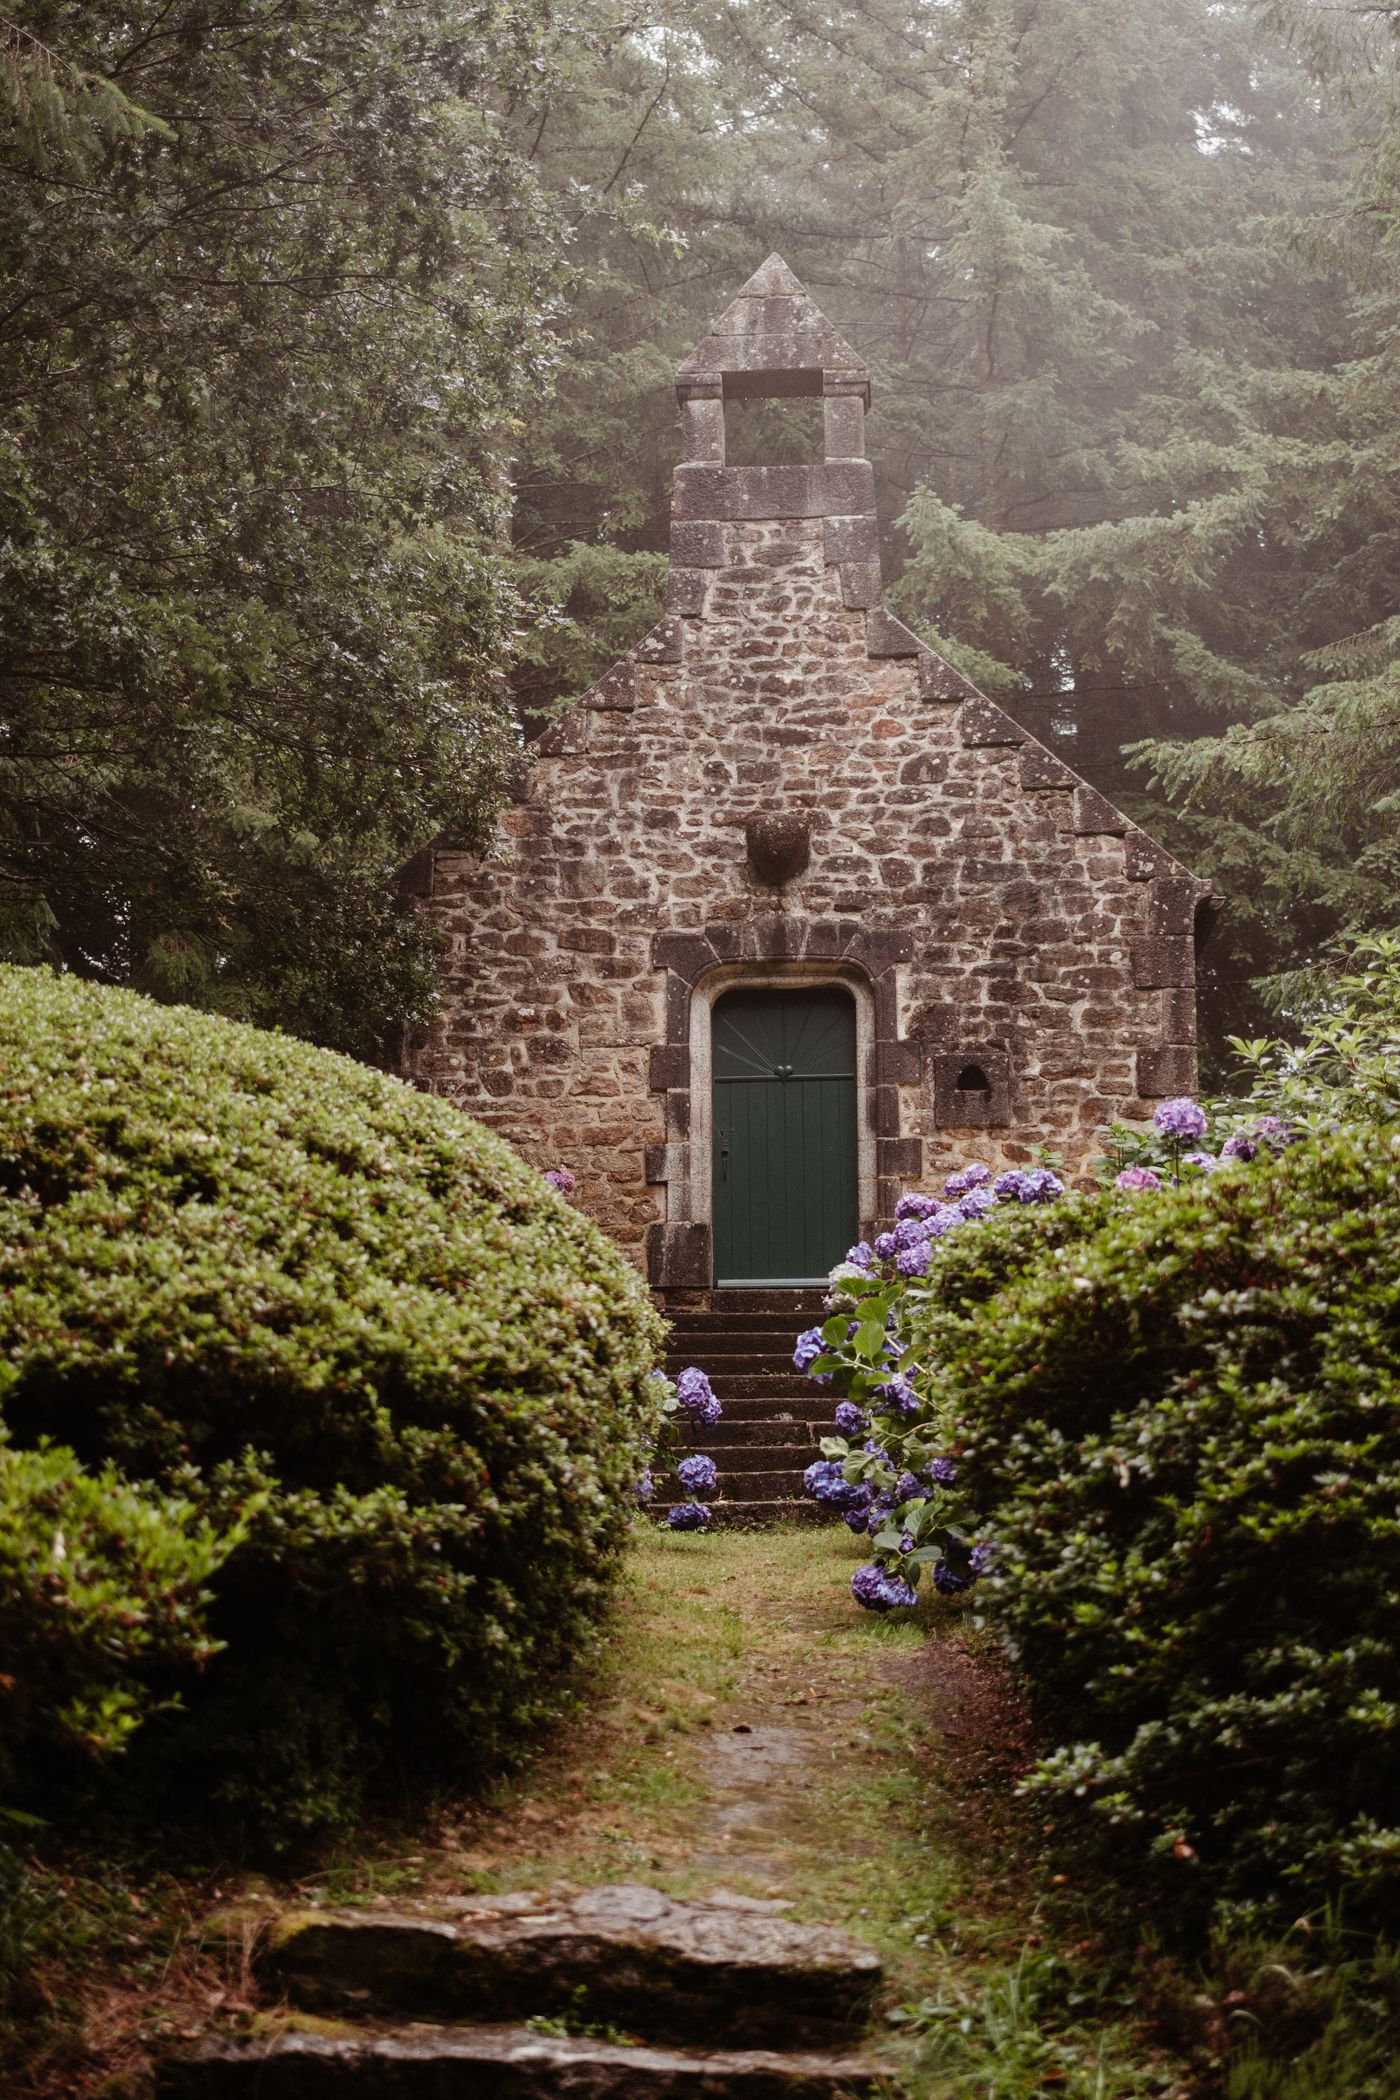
column 825, row 1482
column 809, row 1347
column 878, row 1590
column 1043, row 1185
column 1206, row 1161
column 907, row 1487
column 1274, row 1131
column 943, row 1472
column 982, row 1556
column 946, row 1218
column 696, row 1395
column 913, row 1261
column 1138, row 1178
column 915, row 1206
column 646, row 1486
column 699, row 1476
column 1180, row 1118
column 977, row 1202
column 1013, row 1186
column 976, row 1175
column 898, row 1393
column 886, row 1246
column 876, row 1449
column 945, row 1580
column 1241, row 1144
column 688, row 1516
column 850, row 1419
column 855, row 1520
column 911, row 1232
column 560, row 1178
column 861, row 1256
column 955, row 1186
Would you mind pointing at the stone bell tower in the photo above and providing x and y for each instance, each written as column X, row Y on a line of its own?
column 788, row 917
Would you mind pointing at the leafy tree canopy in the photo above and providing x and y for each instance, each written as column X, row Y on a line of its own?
column 278, row 286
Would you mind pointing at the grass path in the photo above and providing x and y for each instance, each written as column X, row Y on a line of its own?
column 746, row 1726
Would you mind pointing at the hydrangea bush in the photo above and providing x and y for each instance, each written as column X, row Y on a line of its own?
column 886, row 1468
column 691, row 1400
column 1176, row 1400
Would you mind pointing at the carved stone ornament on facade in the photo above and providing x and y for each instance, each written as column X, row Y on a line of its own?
column 787, row 917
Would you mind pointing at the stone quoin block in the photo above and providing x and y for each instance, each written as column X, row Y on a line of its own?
column 1168, row 1068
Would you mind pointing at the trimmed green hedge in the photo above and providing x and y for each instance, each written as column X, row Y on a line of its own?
column 1181, row 1421
column 300, row 1293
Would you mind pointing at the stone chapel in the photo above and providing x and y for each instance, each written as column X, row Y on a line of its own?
column 787, row 917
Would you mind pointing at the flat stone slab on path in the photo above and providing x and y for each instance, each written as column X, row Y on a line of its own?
column 723, row 1968
column 498, row 2063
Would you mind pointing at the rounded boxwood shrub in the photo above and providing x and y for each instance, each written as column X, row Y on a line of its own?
column 313, row 1302
column 1183, row 1429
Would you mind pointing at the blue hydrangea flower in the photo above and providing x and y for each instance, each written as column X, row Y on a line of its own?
column 915, row 1206
column 855, row 1520
column 946, row 1218
column 907, row 1487
column 825, row 1482
column 699, row 1476
column 945, row 1580
column 880, row 1508
column 911, row 1232
column 861, row 1256
column 850, row 1419
column 646, row 1486
column 1180, row 1118
column 977, row 1202
column 942, row 1472
column 886, row 1246
column 688, row 1516
column 913, row 1261
column 898, row 1393
column 809, row 1347
column 696, row 1395
column 982, row 1556
column 878, row 1590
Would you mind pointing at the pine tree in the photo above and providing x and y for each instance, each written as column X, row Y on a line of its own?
column 276, row 289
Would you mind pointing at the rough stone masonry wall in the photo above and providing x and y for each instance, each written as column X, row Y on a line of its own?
column 998, row 909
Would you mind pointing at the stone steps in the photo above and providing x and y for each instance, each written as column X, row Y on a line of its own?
column 500, row 2063
column 719, row 1997
column 785, row 1452
column 773, row 1417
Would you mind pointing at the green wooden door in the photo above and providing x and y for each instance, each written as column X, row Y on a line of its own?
column 785, row 1204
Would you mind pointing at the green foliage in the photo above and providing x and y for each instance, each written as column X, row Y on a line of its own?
column 101, row 1587
column 1183, row 1429
column 264, row 341
column 334, row 1312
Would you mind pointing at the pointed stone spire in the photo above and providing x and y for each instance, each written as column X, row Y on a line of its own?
column 772, row 340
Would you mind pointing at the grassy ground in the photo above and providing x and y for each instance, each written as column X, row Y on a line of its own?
column 743, row 1725
column 747, row 1726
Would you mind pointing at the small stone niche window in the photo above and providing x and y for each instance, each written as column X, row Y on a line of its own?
column 972, row 1089
column 768, row 433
